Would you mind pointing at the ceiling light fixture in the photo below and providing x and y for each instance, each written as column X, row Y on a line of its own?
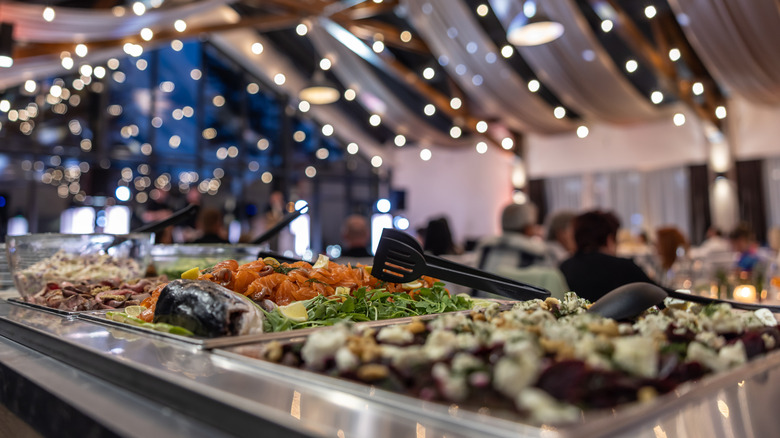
column 320, row 91
column 532, row 27
column 6, row 45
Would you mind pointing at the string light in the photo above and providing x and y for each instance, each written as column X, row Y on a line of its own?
column 375, row 120
column 279, row 79
column 399, row 140
column 327, row 130
column 533, row 85
column 582, row 131
column 352, row 148
column 720, row 112
column 428, row 73
column 606, row 26
column 674, row 54
column 325, row 64
column 650, row 11
column 656, row 97
column 697, row 88
column 350, row 94
column 81, row 50
column 631, row 65
column 482, row 147
column 429, row 110
column 304, row 106
column 679, row 119
column 482, row 10
column 139, row 8
column 257, row 48
column 376, row 161
column 301, row 29
column 482, row 126
column 455, row 103
column 455, row 132
column 48, row 14
column 30, row 86
column 507, row 51
column 147, row 34
column 406, row 36
column 378, row 46
column 559, row 112
column 425, row 154
column 180, row 25
column 507, row 143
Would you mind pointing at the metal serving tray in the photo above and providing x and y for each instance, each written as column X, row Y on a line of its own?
column 20, row 302
column 99, row 316
column 731, row 404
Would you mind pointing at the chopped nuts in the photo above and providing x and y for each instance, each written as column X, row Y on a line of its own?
column 273, row 351
column 606, row 327
column 646, row 394
column 416, row 326
column 372, row 371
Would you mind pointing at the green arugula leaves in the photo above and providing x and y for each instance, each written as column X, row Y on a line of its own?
column 369, row 305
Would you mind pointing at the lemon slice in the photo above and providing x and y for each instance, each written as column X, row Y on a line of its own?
column 134, row 311
column 322, row 262
column 295, row 312
column 191, row 274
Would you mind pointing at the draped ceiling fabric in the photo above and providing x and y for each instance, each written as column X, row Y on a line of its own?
column 451, row 31
column 237, row 43
column 578, row 69
column 91, row 25
column 737, row 41
column 349, row 55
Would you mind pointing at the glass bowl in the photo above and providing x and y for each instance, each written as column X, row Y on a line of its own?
column 173, row 260
column 37, row 259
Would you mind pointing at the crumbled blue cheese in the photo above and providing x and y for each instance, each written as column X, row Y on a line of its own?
column 594, row 350
column 769, row 341
column 346, row 360
column 462, row 363
column 467, row 342
column 395, row 334
column 710, row 339
column 636, row 355
column 529, row 305
column 453, row 386
column 439, row 344
column 572, row 304
column 766, row 317
column 559, row 330
column 511, row 375
column 449, row 322
column 652, row 324
column 545, row 409
column 322, row 345
column 404, row 358
column 492, row 310
column 729, row 356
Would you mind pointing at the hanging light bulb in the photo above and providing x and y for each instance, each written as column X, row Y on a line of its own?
column 532, row 27
column 6, row 45
column 320, row 91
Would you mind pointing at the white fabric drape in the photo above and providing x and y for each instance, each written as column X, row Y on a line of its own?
column 772, row 184
column 666, row 199
column 737, row 41
column 564, row 193
column 332, row 40
column 578, row 69
column 620, row 192
column 84, row 25
column 452, row 32
column 642, row 200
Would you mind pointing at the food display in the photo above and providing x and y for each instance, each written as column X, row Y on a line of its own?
column 111, row 293
column 75, row 267
column 543, row 361
column 267, row 296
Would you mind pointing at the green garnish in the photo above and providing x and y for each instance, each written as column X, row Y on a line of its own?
column 283, row 269
column 157, row 326
column 369, row 305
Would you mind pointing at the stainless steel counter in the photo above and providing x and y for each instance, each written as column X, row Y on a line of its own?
column 163, row 383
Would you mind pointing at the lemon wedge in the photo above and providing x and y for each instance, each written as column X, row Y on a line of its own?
column 134, row 311
column 322, row 262
column 191, row 274
column 295, row 312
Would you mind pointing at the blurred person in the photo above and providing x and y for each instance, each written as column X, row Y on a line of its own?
column 595, row 269
column 672, row 250
column 157, row 211
column 560, row 236
column 211, row 227
column 743, row 242
column 438, row 238
column 519, row 245
column 714, row 242
column 274, row 213
column 356, row 236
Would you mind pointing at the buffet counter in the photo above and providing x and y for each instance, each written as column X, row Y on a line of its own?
column 134, row 384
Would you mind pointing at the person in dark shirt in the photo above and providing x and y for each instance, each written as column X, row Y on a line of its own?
column 210, row 224
column 594, row 269
column 356, row 235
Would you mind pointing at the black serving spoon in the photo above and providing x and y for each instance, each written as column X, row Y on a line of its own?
column 630, row 300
